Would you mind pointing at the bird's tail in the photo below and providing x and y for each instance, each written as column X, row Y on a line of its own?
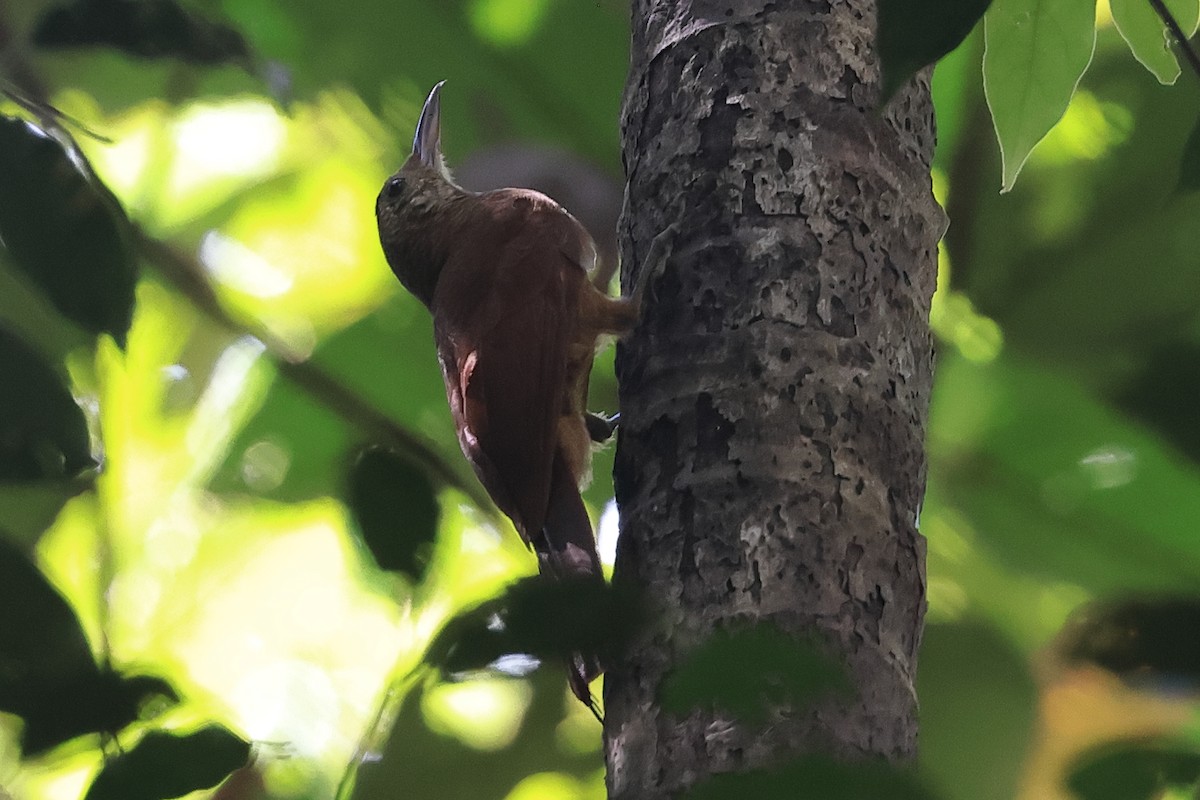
column 566, row 551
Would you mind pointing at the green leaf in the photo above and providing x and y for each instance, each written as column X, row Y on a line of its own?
column 66, row 234
column 165, row 765
column 28, row 508
column 386, row 359
column 48, row 675
column 773, row 669
column 1162, row 394
column 312, row 439
column 391, row 53
column 1147, row 34
column 954, row 83
column 914, row 33
column 396, row 508
column 1149, row 641
column 539, row 617
column 815, row 778
column 978, row 708
column 415, row 761
column 143, row 28
column 43, row 433
column 1133, row 772
column 505, row 23
column 1086, row 497
column 40, row 636
column 1035, row 52
column 1189, row 166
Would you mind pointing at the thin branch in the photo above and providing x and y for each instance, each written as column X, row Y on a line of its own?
column 1169, row 20
column 186, row 274
column 47, row 114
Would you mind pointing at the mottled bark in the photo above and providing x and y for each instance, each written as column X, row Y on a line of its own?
column 771, row 464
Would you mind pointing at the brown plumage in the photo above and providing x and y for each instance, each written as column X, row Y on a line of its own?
column 516, row 321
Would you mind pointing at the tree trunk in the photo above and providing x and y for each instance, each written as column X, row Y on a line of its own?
column 774, row 396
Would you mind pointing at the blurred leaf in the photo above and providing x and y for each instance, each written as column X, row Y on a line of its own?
column 396, row 508
column 748, row 673
column 1147, row 35
column 1057, row 484
column 1189, row 166
column 165, row 765
column 244, row 783
column 539, row 617
column 1152, row 641
column 1034, row 55
column 978, row 708
column 391, row 53
column 66, row 234
column 914, row 33
column 28, row 508
column 312, row 438
column 48, row 675
column 1055, row 273
column 43, row 433
column 815, row 778
column 417, row 762
column 956, row 89
column 507, row 22
column 1133, row 772
column 40, row 636
column 388, row 360
column 1163, row 392
column 143, row 28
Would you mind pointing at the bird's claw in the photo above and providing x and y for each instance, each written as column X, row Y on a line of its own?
column 599, row 427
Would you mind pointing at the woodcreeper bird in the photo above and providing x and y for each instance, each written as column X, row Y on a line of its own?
column 516, row 322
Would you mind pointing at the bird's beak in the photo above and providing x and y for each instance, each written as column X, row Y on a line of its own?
column 427, row 141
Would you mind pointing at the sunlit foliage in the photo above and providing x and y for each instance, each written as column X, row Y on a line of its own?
column 217, row 546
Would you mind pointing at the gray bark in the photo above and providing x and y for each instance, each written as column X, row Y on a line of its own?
column 774, row 396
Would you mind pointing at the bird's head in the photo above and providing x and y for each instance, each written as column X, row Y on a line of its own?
column 414, row 203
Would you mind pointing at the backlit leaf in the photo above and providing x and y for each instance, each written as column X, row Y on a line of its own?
column 1035, row 52
column 1147, row 35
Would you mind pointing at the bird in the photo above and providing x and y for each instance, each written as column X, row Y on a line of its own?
column 516, row 322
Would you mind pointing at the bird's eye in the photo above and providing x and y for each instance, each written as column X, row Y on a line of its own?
column 393, row 187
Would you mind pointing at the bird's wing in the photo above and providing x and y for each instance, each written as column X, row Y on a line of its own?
column 504, row 315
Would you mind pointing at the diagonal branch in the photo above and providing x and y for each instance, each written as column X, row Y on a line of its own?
column 185, row 273
column 1173, row 25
